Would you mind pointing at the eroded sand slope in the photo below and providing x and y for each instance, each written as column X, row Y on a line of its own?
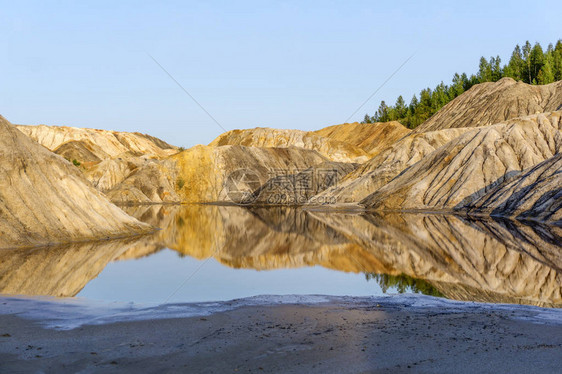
column 45, row 199
column 492, row 102
column 102, row 143
column 130, row 168
column 535, row 193
column 469, row 166
column 371, row 137
column 334, row 150
column 204, row 171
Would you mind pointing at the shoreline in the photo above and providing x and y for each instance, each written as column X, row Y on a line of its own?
column 124, row 237
column 403, row 333
column 68, row 313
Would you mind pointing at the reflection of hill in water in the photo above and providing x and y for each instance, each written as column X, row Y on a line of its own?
column 59, row 270
column 258, row 238
column 465, row 260
column 497, row 261
column 501, row 261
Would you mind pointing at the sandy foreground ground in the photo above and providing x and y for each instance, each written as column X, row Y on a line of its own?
column 362, row 337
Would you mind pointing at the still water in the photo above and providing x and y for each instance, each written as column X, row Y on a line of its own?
column 215, row 253
column 189, row 280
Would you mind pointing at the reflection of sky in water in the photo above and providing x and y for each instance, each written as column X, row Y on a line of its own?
column 490, row 260
column 155, row 278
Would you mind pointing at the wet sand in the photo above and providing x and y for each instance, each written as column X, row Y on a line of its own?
column 325, row 338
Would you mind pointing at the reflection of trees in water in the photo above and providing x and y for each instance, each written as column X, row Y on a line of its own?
column 441, row 255
column 403, row 283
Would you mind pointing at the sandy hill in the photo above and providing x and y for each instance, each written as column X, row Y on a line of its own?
column 349, row 142
column 209, row 174
column 45, row 199
column 101, row 143
column 470, row 165
column 152, row 182
column 492, row 102
column 129, row 179
column 533, row 194
column 382, row 168
column 83, row 151
column 371, row 137
column 481, row 106
column 298, row 187
column 128, row 167
column 332, row 149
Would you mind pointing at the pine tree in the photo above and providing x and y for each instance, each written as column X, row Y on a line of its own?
column 557, row 64
column 411, row 121
column 537, row 61
column 516, row 65
column 546, row 74
column 401, row 109
column 526, row 57
column 528, row 64
column 557, row 61
column 457, row 87
column 484, row 71
column 382, row 113
column 439, row 97
column 466, row 83
column 414, row 103
column 497, row 71
column 423, row 111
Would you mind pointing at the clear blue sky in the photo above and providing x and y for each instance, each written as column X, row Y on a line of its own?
column 285, row 64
